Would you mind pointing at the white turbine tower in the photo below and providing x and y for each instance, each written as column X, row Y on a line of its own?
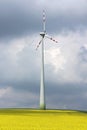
column 42, row 84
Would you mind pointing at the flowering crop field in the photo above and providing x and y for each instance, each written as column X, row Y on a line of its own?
column 30, row 119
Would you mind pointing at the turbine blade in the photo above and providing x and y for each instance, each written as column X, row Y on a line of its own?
column 38, row 44
column 49, row 37
column 44, row 21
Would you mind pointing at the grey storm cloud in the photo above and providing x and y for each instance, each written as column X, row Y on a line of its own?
column 61, row 96
column 24, row 17
column 73, row 95
column 83, row 54
column 15, row 19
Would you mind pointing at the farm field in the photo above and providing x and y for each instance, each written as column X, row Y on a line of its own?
column 31, row 119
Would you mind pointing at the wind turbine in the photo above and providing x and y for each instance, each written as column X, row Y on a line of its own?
column 42, row 83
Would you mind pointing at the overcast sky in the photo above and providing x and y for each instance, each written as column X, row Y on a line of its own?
column 65, row 62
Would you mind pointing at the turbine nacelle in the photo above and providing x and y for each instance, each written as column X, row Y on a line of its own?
column 42, row 34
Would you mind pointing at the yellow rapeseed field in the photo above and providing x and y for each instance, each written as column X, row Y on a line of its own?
column 26, row 119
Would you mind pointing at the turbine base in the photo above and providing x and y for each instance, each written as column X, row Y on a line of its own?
column 43, row 107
